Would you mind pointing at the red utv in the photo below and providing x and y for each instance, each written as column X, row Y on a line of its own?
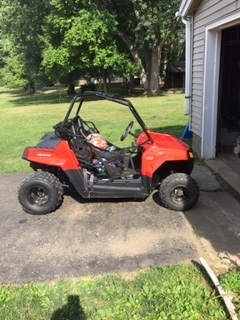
column 79, row 156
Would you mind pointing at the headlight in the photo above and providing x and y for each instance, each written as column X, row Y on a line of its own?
column 191, row 155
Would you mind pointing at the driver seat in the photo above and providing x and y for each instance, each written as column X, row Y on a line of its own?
column 117, row 163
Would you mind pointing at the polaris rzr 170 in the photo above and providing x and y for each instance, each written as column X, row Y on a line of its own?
column 80, row 156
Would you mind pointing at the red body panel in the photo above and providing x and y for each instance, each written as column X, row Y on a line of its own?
column 164, row 148
column 62, row 156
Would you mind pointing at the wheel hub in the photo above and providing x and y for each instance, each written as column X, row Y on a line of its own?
column 179, row 194
column 38, row 196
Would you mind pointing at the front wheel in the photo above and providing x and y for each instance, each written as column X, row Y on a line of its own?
column 179, row 192
column 40, row 193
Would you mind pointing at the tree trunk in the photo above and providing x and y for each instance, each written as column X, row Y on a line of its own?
column 136, row 58
column 71, row 89
column 104, row 76
column 30, row 87
column 154, row 87
column 131, row 85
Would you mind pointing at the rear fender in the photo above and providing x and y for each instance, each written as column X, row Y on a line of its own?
column 62, row 156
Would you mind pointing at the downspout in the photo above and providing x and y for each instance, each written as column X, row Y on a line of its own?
column 188, row 66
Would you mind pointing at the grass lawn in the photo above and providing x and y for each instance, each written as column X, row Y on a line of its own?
column 179, row 292
column 25, row 118
column 175, row 292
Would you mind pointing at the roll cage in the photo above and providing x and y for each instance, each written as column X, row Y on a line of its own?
column 80, row 98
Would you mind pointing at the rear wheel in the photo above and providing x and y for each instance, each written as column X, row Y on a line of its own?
column 40, row 193
column 179, row 191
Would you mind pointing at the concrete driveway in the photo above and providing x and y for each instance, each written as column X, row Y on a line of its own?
column 81, row 239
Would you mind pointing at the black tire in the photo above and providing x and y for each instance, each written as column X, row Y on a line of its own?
column 179, row 192
column 40, row 193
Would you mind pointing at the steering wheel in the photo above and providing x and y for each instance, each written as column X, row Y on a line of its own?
column 127, row 131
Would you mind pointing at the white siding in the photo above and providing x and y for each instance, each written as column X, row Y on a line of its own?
column 207, row 13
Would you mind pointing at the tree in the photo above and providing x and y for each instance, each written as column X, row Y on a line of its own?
column 144, row 26
column 87, row 37
column 21, row 22
column 81, row 41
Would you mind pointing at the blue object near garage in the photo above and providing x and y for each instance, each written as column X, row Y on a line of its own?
column 186, row 133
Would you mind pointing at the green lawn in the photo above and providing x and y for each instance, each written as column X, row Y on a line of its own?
column 25, row 118
column 178, row 292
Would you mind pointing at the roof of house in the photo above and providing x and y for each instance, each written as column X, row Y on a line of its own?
column 187, row 7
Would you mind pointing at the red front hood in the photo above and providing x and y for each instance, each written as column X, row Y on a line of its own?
column 163, row 141
column 163, row 148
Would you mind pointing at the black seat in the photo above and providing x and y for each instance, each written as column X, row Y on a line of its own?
column 117, row 163
column 82, row 152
